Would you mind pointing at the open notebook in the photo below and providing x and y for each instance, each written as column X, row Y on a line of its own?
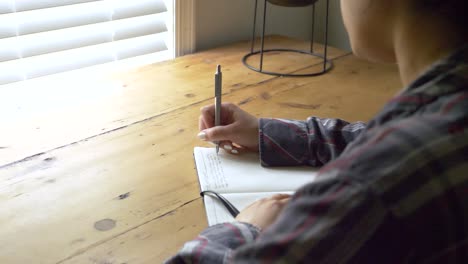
column 242, row 180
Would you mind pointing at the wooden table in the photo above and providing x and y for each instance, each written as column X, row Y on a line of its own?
column 99, row 169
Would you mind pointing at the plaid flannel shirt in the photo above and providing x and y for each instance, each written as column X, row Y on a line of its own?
column 392, row 191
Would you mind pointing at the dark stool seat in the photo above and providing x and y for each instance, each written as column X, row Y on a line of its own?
column 326, row 65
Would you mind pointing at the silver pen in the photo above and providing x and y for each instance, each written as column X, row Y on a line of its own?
column 218, row 87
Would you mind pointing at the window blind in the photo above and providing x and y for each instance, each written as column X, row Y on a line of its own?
column 44, row 37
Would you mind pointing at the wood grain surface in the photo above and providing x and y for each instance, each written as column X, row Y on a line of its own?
column 101, row 170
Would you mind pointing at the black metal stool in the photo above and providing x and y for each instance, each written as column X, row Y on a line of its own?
column 327, row 64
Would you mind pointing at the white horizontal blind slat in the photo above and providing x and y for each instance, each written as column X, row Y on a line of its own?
column 7, row 6
column 139, row 26
column 25, row 5
column 82, row 57
column 93, row 55
column 126, row 8
column 35, row 21
column 70, row 38
column 54, row 41
column 8, row 26
column 140, row 46
column 41, row 20
column 9, row 49
column 61, row 35
column 11, row 71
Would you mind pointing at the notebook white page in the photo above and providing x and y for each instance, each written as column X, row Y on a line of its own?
column 242, row 180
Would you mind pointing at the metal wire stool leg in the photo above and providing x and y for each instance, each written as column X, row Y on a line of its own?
column 327, row 64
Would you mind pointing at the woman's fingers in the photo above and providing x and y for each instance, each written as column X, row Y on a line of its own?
column 201, row 124
column 230, row 148
column 281, row 196
column 236, row 126
column 264, row 212
column 208, row 116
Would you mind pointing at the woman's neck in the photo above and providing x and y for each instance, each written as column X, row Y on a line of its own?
column 421, row 42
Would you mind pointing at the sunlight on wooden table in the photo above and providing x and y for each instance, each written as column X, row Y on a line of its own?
column 100, row 169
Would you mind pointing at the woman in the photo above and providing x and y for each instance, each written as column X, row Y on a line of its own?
column 392, row 191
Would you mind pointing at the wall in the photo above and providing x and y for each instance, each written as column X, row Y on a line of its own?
column 220, row 22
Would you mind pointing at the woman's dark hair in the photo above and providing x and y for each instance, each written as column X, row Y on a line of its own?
column 454, row 11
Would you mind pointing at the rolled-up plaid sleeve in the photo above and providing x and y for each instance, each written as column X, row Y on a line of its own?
column 216, row 243
column 313, row 142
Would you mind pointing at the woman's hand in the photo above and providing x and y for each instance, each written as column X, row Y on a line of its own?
column 238, row 130
column 264, row 212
